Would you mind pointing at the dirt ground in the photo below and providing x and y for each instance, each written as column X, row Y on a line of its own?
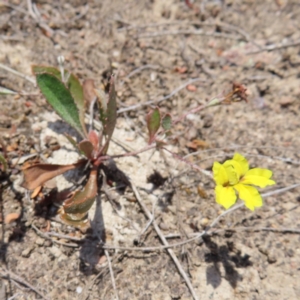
column 179, row 54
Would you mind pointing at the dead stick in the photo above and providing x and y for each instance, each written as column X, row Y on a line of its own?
column 165, row 242
column 10, row 275
column 111, row 274
column 17, row 73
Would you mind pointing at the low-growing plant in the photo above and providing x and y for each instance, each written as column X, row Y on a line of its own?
column 64, row 92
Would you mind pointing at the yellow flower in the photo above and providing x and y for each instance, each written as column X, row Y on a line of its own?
column 234, row 176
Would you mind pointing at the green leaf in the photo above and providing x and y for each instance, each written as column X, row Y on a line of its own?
column 110, row 116
column 73, row 84
column 60, row 99
column 77, row 92
column 153, row 123
column 37, row 69
column 166, row 122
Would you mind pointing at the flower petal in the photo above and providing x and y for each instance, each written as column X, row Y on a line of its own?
column 240, row 165
column 220, row 174
column 225, row 196
column 233, row 171
column 250, row 195
column 258, row 177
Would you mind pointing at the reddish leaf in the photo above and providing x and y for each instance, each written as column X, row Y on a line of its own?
column 37, row 174
column 11, row 218
column 153, row 124
column 82, row 201
column 89, row 90
column 87, row 148
column 94, row 139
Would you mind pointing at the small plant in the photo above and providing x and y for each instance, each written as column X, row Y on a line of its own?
column 68, row 98
column 65, row 94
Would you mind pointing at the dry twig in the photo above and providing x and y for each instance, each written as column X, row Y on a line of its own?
column 165, row 242
column 29, row 78
column 47, row 237
column 275, row 47
column 12, row 276
column 188, row 32
column 133, row 107
column 111, row 274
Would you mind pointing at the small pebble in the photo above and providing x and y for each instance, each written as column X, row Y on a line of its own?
column 40, row 241
column 26, row 252
column 204, row 222
column 163, row 226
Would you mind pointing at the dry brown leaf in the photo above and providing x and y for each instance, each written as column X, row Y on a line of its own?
column 89, row 90
column 11, row 218
column 36, row 192
column 197, row 144
column 37, row 174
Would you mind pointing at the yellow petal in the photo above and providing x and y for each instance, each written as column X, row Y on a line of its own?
column 244, row 165
column 225, row 196
column 258, row 177
column 239, row 163
column 220, row 174
column 233, row 171
column 250, row 195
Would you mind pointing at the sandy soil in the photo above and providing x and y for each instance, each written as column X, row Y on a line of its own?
column 182, row 55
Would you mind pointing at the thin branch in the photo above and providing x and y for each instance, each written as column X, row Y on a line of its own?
column 226, row 26
column 35, row 15
column 190, row 32
column 149, row 222
column 239, row 147
column 165, row 242
column 64, row 236
column 275, row 47
column 196, row 236
column 45, row 236
column 192, row 165
column 137, row 70
column 29, row 78
column 76, row 18
column 149, row 147
column 133, row 107
column 111, row 274
column 12, row 276
column 283, row 230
